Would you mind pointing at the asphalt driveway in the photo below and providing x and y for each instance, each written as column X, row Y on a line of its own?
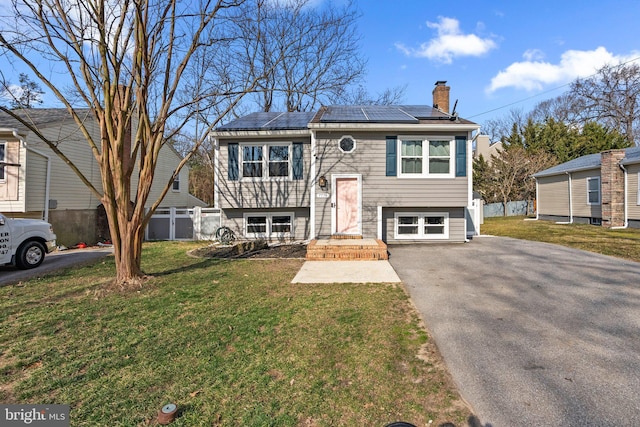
column 534, row 334
column 54, row 261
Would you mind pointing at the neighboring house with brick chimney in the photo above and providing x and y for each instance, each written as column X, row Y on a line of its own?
column 399, row 174
column 36, row 183
column 595, row 189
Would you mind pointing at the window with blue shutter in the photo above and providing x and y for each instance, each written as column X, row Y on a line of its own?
column 233, row 162
column 461, row 156
column 298, row 165
column 392, row 156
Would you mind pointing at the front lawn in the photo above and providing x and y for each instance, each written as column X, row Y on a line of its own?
column 619, row 243
column 230, row 342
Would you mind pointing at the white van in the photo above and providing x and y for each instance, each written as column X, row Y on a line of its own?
column 24, row 242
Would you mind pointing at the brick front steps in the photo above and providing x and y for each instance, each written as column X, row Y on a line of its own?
column 343, row 249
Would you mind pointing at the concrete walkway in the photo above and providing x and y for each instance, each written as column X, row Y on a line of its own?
column 346, row 272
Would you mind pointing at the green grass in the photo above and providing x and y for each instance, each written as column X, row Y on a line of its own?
column 230, row 342
column 621, row 243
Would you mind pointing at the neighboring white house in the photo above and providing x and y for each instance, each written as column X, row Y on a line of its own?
column 36, row 183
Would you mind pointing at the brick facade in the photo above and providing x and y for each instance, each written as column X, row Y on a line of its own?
column 612, row 188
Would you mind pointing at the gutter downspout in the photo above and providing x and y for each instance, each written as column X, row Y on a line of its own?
column 216, row 172
column 312, row 191
column 537, row 200
column 626, row 205
column 47, row 186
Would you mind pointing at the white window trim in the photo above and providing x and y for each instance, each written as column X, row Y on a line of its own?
column 425, row 157
column 3, row 178
column 268, row 216
column 421, row 235
column 599, row 191
column 638, row 195
column 354, row 144
column 265, row 161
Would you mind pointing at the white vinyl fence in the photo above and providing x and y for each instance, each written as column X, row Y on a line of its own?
column 183, row 224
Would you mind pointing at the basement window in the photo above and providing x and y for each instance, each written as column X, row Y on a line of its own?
column 268, row 225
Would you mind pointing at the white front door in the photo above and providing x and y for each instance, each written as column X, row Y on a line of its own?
column 5, row 241
column 347, row 205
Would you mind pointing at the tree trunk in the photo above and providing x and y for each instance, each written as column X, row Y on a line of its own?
column 127, row 234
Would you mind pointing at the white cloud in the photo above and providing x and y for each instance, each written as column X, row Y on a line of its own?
column 533, row 55
column 450, row 43
column 534, row 74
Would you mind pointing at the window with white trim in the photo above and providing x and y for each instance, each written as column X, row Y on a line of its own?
column 3, row 148
column 268, row 225
column 638, row 197
column 420, row 157
column 593, row 191
column 422, row 225
column 265, row 160
column 176, row 184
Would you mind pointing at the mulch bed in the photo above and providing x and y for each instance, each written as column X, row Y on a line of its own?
column 294, row 250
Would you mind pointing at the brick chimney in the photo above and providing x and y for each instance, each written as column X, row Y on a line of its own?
column 612, row 187
column 441, row 96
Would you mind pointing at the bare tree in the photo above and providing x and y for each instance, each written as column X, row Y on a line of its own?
column 361, row 96
column 305, row 54
column 127, row 62
column 566, row 108
column 500, row 128
column 26, row 95
column 511, row 173
column 611, row 97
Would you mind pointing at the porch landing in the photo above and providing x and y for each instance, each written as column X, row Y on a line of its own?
column 347, row 249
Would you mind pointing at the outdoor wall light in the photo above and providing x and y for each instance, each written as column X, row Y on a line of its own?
column 322, row 182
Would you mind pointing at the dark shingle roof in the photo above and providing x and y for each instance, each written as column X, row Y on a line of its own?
column 381, row 114
column 418, row 114
column 38, row 117
column 590, row 161
column 270, row 121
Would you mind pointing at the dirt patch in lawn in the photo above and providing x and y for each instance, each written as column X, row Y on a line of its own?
column 293, row 250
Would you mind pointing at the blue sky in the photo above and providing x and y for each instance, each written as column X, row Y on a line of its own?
column 495, row 55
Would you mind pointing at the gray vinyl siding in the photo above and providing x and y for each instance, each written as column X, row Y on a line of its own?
column 234, row 219
column 256, row 193
column 457, row 221
column 633, row 202
column 168, row 161
column 553, row 195
column 67, row 189
column 369, row 160
column 579, row 195
column 36, row 170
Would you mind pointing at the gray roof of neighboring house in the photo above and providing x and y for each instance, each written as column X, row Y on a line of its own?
column 38, row 117
column 341, row 114
column 590, row 161
column 632, row 155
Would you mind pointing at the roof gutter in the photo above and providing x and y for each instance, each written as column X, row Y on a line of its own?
column 47, row 187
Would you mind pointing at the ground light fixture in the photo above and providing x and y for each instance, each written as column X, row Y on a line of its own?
column 167, row 414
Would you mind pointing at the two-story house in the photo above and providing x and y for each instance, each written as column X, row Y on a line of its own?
column 36, row 183
column 395, row 173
